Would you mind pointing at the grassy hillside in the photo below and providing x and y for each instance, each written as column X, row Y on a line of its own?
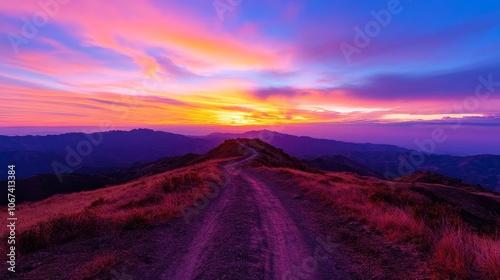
column 456, row 226
column 137, row 204
column 440, row 220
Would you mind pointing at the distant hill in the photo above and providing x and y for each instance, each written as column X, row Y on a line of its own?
column 139, row 170
column 42, row 186
column 337, row 163
column 268, row 156
column 434, row 178
column 303, row 146
column 377, row 159
column 480, row 169
column 35, row 154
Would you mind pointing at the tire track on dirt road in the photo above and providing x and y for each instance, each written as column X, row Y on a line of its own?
column 246, row 232
column 287, row 248
column 193, row 259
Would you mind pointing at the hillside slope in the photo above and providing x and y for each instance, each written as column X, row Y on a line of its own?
column 247, row 210
column 42, row 186
column 338, row 163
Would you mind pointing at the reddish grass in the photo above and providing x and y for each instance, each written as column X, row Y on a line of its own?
column 461, row 254
column 402, row 215
column 138, row 204
column 181, row 182
column 62, row 228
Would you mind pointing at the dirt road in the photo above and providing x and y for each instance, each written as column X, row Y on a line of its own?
column 255, row 228
column 246, row 232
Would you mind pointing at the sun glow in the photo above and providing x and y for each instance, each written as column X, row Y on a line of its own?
column 235, row 118
column 411, row 117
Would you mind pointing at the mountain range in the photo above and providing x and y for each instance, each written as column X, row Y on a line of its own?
column 140, row 151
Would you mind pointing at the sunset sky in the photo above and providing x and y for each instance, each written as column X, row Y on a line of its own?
column 236, row 63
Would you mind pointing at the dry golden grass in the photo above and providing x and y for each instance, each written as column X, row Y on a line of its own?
column 137, row 204
column 455, row 250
